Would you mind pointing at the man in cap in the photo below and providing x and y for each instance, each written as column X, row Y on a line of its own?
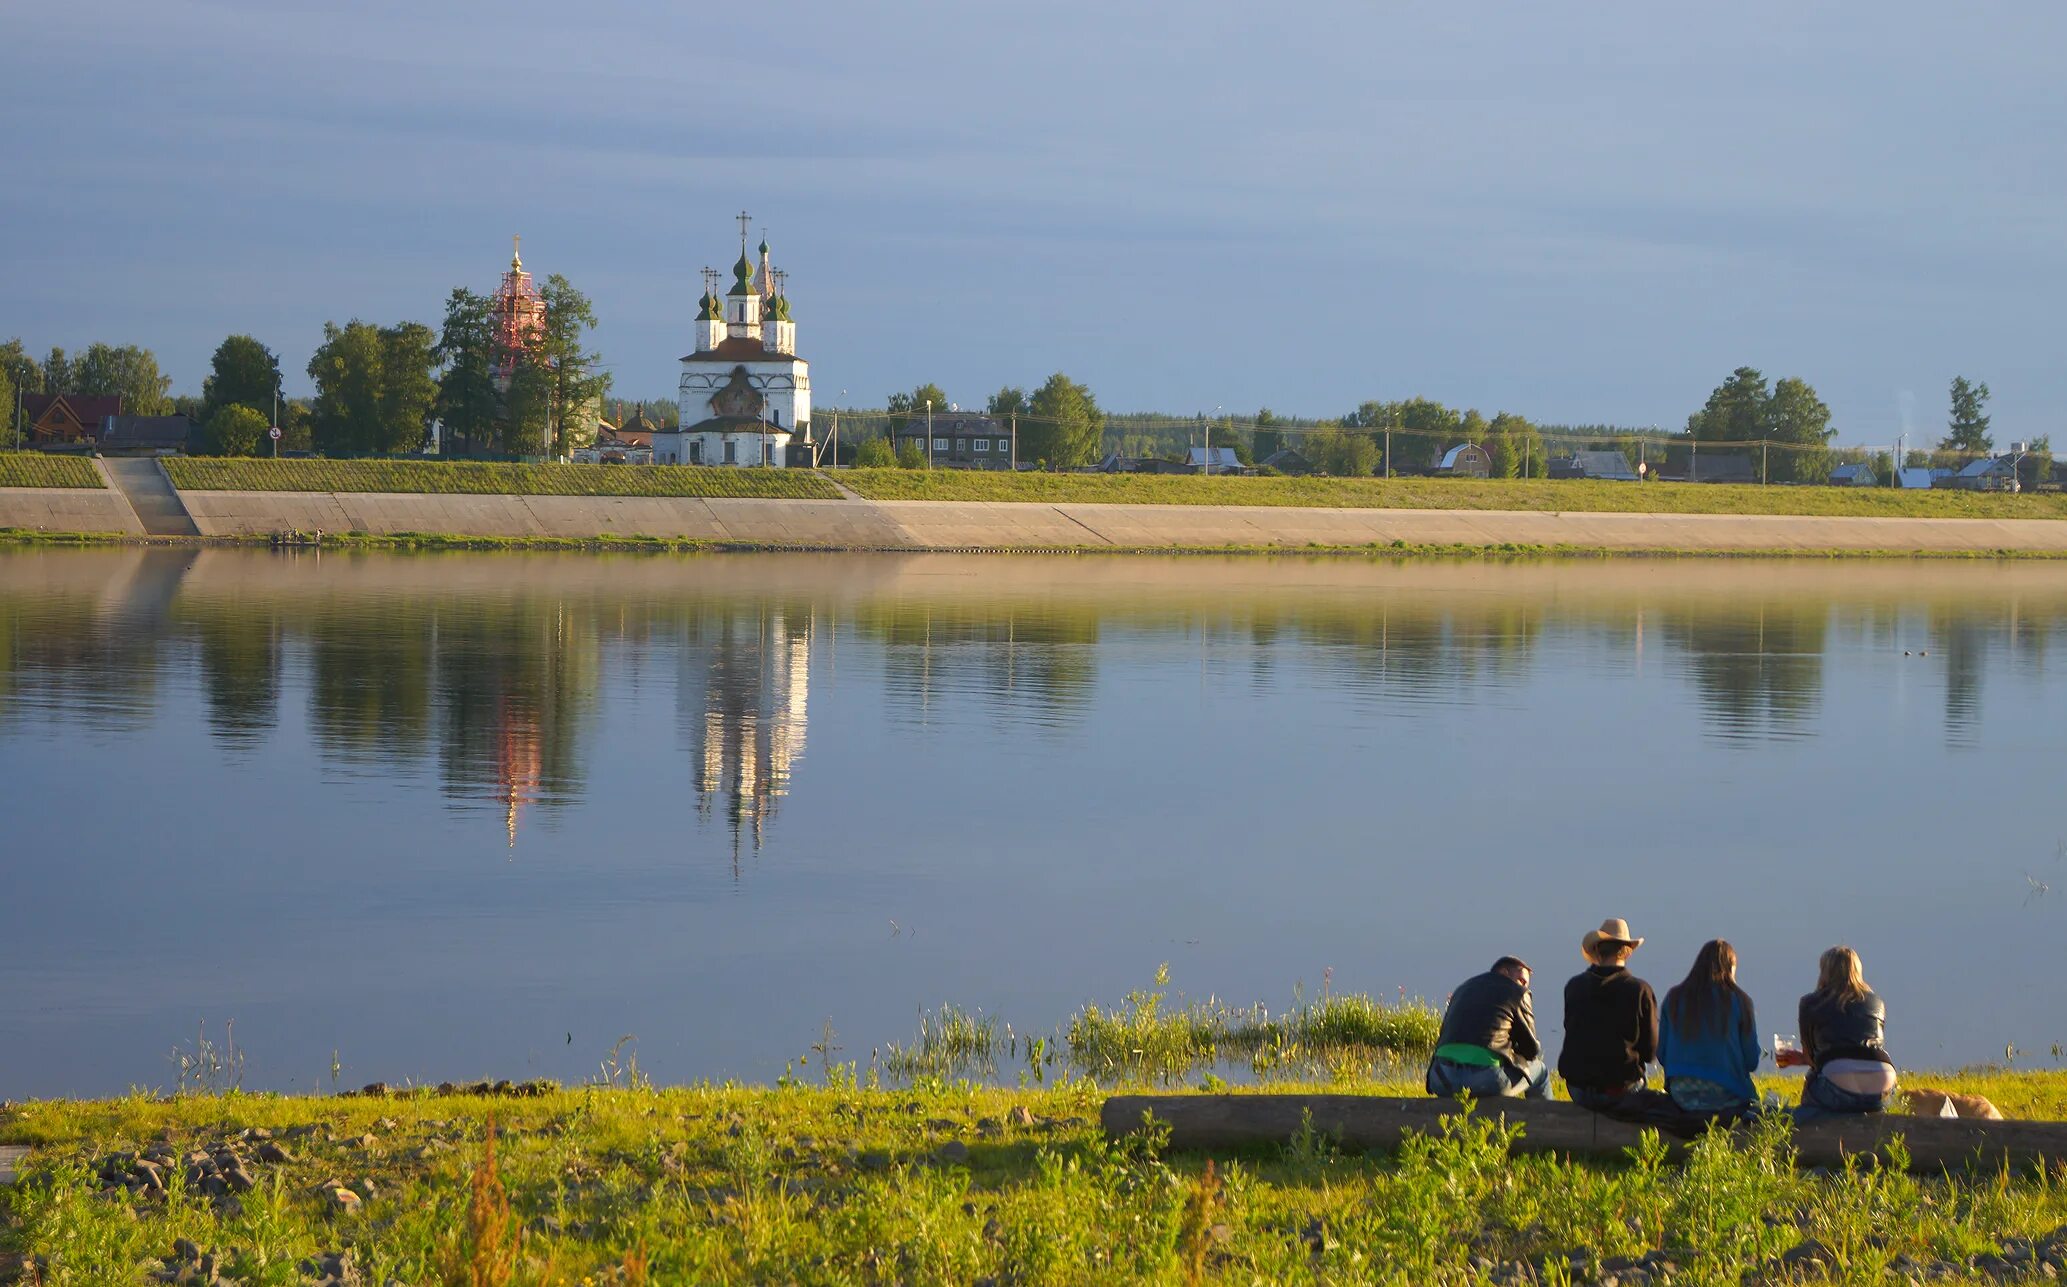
column 1611, row 1021
column 1487, row 1045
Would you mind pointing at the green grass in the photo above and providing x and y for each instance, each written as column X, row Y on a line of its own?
column 953, row 1184
column 35, row 469
column 484, row 478
column 1445, row 493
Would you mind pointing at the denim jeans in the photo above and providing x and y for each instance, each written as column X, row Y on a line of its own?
column 1819, row 1098
column 1501, row 1082
column 1600, row 1100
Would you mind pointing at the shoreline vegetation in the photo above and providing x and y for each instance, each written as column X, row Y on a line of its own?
column 434, row 542
column 830, row 1175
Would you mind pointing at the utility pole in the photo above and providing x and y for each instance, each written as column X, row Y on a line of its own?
column 929, row 433
column 1761, row 462
column 1388, row 451
column 1015, row 442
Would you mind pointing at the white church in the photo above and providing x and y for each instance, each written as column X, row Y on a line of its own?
column 745, row 393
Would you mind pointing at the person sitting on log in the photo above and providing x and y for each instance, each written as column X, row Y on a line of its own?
column 1708, row 1037
column 1843, row 1037
column 1487, row 1044
column 1611, row 1022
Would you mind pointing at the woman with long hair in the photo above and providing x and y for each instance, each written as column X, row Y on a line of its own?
column 1708, row 1036
column 1843, row 1032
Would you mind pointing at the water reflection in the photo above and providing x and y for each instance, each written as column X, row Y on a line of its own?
column 495, row 674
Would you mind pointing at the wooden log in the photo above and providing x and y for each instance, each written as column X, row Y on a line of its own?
column 1368, row 1122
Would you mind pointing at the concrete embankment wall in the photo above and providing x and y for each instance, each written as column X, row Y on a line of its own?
column 920, row 525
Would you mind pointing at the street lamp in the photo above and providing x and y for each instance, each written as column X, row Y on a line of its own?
column 929, row 433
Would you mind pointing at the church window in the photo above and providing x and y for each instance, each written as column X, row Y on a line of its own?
column 731, row 453
column 695, row 453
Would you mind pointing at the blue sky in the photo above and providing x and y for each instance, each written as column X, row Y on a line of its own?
column 1584, row 213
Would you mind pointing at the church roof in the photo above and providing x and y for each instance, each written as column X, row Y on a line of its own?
column 740, row 348
column 731, row 424
column 743, row 277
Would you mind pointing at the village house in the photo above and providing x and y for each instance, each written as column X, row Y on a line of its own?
column 960, row 440
column 1465, row 460
column 66, row 419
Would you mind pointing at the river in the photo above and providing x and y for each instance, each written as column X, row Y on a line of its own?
column 449, row 816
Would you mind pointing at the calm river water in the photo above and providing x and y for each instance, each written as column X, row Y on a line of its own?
column 455, row 816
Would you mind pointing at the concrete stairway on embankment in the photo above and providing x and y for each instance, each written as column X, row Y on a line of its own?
column 143, row 483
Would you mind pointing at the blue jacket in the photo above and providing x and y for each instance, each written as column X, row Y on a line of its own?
column 1725, row 1056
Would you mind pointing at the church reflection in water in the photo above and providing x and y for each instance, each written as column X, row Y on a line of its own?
column 744, row 688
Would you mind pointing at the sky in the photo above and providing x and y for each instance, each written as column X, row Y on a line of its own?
column 1582, row 213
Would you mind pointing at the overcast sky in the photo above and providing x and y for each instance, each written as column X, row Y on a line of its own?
column 1581, row 212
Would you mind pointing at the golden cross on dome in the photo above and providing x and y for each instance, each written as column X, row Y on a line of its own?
column 516, row 249
column 744, row 219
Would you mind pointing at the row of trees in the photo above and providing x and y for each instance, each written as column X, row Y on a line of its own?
column 101, row 370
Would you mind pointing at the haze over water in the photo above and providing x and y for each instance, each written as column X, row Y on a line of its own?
column 456, row 816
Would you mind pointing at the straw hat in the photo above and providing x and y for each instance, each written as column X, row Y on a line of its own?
column 1612, row 930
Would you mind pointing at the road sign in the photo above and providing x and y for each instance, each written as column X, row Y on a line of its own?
column 274, row 433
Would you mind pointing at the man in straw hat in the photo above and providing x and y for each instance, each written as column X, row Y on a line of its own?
column 1611, row 1021
column 1487, row 1044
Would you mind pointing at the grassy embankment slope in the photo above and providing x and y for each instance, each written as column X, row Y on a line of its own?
column 955, row 1181
column 34, row 469
column 489, row 479
column 952, row 1185
column 1573, row 496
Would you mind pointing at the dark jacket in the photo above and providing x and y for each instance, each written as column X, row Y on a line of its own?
column 1611, row 1029
column 1493, row 1011
column 1833, row 1029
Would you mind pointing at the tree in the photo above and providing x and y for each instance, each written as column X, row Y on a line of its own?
column 910, row 455
column 243, row 372
column 8, row 428
column 1516, row 447
column 124, row 371
column 22, row 371
column 237, row 430
column 1065, row 427
column 1969, row 425
column 909, row 408
column 1735, row 412
column 875, row 453
column 408, row 394
column 1342, row 454
column 577, row 384
column 1799, row 419
column 57, row 373
column 1434, row 425
column 466, row 347
column 349, row 379
column 1008, row 401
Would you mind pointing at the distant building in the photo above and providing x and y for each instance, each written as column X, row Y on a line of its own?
column 1465, row 460
column 66, row 419
column 744, row 378
column 1287, row 461
column 1914, row 479
column 1212, row 460
column 1996, row 474
column 145, row 435
column 960, row 440
column 1720, row 467
column 1611, row 466
column 1854, row 476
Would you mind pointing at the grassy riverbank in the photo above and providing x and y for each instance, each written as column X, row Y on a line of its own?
column 1568, row 496
column 948, row 1183
column 34, row 469
column 476, row 478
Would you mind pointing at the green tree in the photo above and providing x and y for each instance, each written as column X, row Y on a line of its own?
column 57, row 373
column 1008, row 401
column 1968, row 430
column 23, row 372
column 408, row 393
column 466, row 346
column 578, row 382
column 124, row 371
column 1065, row 428
column 243, row 372
column 1516, row 448
column 9, row 430
column 1736, row 411
column 910, row 408
column 1800, row 424
column 347, row 369
column 875, row 453
column 237, row 430
column 1428, row 423
column 910, row 455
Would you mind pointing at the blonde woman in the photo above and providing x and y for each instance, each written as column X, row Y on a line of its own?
column 1842, row 1031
